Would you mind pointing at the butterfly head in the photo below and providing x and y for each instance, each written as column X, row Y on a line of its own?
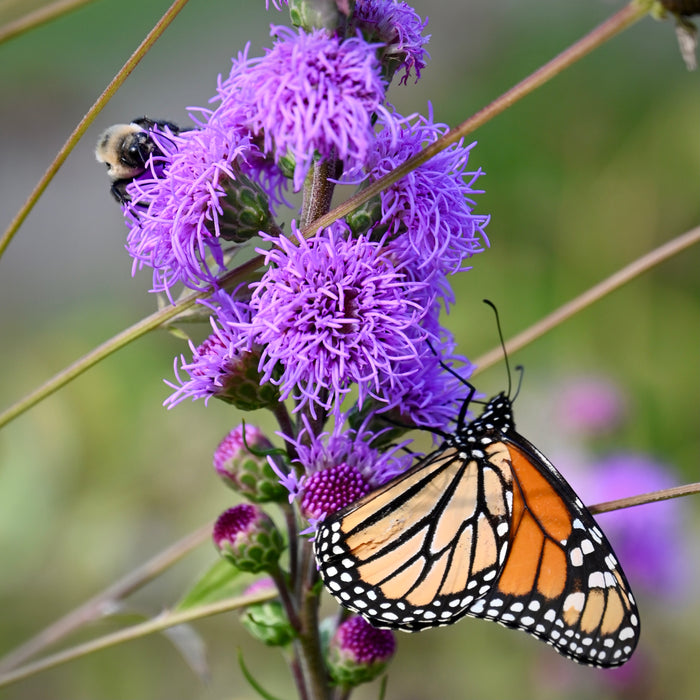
column 495, row 419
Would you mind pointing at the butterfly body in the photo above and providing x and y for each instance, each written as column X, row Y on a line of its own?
column 485, row 526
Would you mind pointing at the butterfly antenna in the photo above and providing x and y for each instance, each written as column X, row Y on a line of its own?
column 503, row 347
column 521, row 371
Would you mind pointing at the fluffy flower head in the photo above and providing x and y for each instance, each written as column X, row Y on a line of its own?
column 174, row 214
column 223, row 365
column 429, row 212
column 333, row 311
column 310, row 94
column 398, row 26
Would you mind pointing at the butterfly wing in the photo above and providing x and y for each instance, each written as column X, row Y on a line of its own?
column 561, row 581
column 416, row 553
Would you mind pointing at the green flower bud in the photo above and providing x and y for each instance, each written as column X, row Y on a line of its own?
column 365, row 216
column 267, row 621
column 245, row 210
column 287, row 165
column 247, row 537
column 314, row 14
column 249, row 473
column 242, row 386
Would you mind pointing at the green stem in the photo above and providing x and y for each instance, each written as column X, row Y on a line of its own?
column 85, row 122
column 309, row 651
column 318, row 192
column 38, row 17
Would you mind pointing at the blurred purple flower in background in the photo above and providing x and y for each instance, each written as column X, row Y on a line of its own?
column 589, row 405
column 650, row 540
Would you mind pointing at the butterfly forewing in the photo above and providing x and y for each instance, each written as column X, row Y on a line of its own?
column 487, row 527
column 419, row 551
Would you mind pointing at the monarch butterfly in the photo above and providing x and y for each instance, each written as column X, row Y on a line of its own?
column 484, row 526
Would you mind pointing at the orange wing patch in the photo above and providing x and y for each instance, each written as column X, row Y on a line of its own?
column 541, row 524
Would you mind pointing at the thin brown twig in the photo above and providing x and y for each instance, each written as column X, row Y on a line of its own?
column 96, row 606
column 620, row 21
column 600, row 290
column 157, row 624
column 642, row 499
column 40, row 16
column 89, row 117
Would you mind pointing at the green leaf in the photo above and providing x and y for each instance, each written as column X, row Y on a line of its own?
column 382, row 686
column 253, row 683
column 217, row 583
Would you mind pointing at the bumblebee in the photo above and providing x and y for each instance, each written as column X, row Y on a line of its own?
column 125, row 149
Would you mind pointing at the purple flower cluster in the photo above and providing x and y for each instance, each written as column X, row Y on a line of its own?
column 174, row 211
column 335, row 312
column 341, row 320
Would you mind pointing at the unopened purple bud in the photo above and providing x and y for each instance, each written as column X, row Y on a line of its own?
column 246, row 473
column 358, row 652
column 247, row 537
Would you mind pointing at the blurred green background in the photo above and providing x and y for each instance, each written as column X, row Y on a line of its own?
column 594, row 170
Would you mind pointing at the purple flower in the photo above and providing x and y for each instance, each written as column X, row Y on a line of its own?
column 429, row 396
column 331, row 489
column 333, row 311
column 648, row 539
column 247, row 537
column 400, row 29
column 224, row 365
column 589, row 405
column 358, row 652
column 429, row 213
column 176, row 204
column 311, row 95
column 248, row 473
column 342, row 466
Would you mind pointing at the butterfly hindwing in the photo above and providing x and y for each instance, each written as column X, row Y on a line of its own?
column 561, row 581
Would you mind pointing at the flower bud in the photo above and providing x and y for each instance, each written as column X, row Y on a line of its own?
column 312, row 14
column 240, row 382
column 247, row 537
column 245, row 210
column 365, row 217
column 358, row 652
column 267, row 621
column 331, row 489
column 245, row 472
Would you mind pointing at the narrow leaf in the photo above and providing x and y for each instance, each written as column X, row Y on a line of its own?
column 217, row 583
column 253, row 683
